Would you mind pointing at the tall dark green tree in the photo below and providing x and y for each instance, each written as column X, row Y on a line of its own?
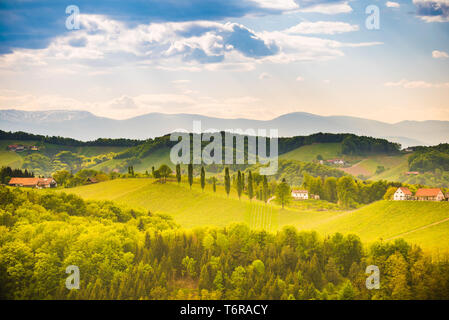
column 203, row 178
column 239, row 184
column 250, row 185
column 227, row 181
column 190, row 174
column 214, row 184
column 265, row 189
column 178, row 173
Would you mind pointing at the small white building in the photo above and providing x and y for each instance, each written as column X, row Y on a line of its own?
column 402, row 193
column 300, row 194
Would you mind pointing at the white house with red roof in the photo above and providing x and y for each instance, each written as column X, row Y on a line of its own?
column 403, row 193
column 300, row 194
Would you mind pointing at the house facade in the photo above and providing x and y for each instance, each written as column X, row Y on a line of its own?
column 38, row 183
column 300, row 194
column 402, row 193
column 434, row 194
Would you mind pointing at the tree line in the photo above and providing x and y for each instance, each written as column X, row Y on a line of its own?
column 132, row 254
column 101, row 142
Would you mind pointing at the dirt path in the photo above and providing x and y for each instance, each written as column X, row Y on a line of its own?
column 419, row 229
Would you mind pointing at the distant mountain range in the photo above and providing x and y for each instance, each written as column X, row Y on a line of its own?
column 83, row 125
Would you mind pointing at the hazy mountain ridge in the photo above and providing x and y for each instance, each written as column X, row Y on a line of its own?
column 83, row 125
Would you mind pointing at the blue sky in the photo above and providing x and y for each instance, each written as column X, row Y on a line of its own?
column 237, row 58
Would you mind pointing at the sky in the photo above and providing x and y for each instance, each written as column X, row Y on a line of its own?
column 255, row 59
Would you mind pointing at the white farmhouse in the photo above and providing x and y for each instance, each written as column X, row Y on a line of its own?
column 402, row 193
column 300, row 194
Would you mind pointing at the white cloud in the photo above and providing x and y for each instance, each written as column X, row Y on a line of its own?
column 299, row 79
column 127, row 106
column 392, row 4
column 432, row 10
column 439, row 54
column 278, row 4
column 185, row 46
column 330, row 8
column 265, row 75
column 181, row 81
column 322, row 27
column 123, row 102
column 417, row 84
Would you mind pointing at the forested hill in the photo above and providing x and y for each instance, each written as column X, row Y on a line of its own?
column 351, row 144
column 427, row 159
column 61, row 141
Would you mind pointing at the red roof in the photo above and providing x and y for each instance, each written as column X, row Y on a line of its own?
column 406, row 191
column 31, row 181
column 24, row 181
column 428, row 192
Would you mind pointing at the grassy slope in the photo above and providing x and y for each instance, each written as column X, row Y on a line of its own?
column 10, row 159
column 13, row 159
column 190, row 208
column 394, row 165
column 155, row 159
column 310, row 152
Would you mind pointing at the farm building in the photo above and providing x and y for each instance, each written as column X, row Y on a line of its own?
column 402, row 193
column 39, row 183
column 300, row 194
column 91, row 180
column 336, row 161
column 433, row 194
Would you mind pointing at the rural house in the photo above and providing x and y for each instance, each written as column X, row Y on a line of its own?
column 39, row 183
column 91, row 180
column 336, row 161
column 434, row 194
column 402, row 193
column 300, row 194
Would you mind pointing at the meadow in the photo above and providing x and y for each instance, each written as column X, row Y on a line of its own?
column 423, row 223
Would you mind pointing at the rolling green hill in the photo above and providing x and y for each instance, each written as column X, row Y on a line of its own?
column 421, row 222
column 310, row 152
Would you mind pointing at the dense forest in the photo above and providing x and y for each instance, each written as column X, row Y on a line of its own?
column 427, row 159
column 129, row 254
column 351, row 144
column 101, row 142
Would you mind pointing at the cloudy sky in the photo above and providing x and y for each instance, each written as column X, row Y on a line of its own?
column 236, row 58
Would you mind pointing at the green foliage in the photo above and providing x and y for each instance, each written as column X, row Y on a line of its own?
column 23, row 136
column 347, row 192
column 227, row 181
column 130, row 254
column 356, row 145
column 239, row 185
column 190, row 174
column 6, row 173
column 294, row 171
column 283, row 194
column 203, row 178
column 178, row 173
column 250, row 186
column 426, row 159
